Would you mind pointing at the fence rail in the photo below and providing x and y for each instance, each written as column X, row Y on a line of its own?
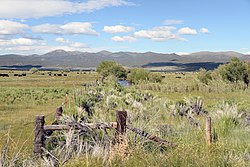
column 120, row 126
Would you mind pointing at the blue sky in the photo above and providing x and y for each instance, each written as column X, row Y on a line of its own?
column 164, row 26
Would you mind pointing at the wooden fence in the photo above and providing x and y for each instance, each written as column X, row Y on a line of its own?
column 120, row 126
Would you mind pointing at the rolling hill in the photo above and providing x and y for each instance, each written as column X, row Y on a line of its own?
column 76, row 59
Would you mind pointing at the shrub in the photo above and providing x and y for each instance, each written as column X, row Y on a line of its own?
column 234, row 71
column 155, row 77
column 107, row 68
column 66, row 70
column 34, row 70
column 138, row 74
column 204, row 76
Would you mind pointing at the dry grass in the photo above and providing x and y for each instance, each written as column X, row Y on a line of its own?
column 149, row 110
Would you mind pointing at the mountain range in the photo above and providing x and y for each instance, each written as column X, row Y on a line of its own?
column 157, row 61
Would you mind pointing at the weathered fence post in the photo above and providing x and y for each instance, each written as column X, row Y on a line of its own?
column 58, row 113
column 121, row 117
column 39, row 136
column 208, row 130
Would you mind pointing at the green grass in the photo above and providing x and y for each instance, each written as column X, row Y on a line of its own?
column 23, row 98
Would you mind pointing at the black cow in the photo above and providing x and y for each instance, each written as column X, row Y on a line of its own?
column 4, row 75
column 246, row 79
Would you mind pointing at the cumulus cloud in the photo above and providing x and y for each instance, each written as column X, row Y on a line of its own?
column 159, row 34
column 69, row 28
column 18, row 42
column 117, row 29
column 71, row 43
column 23, row 9
column 29, row 46
column 204, row 30
column 172, row 22
column 11, row 28
column 187, row 31
column 123, row 38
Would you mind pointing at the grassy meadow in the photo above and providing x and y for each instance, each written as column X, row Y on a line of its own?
column 153, row 107
column 22, row 98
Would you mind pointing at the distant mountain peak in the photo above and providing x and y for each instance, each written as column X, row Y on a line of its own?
column 105, row 52
column 62, row 58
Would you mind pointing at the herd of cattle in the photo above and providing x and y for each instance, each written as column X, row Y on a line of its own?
column 24, row 74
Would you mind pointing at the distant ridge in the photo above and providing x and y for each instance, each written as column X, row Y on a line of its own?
column 76, row 59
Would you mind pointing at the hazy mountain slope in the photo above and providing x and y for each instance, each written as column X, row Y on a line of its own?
column 61, row 58
column 215, row 56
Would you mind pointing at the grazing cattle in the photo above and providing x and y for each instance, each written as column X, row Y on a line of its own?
column 16, row 75
column 4, row 75
column 59, row 75
column 24, row 74
column 20, row 75
column 49, row 74
column 65, row 75
column 54, row 74
column 163, row 76
column 246, row 79
column 177, row 77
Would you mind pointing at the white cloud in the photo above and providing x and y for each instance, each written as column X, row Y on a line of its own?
column 123, row 38
column 204, row 30
column 11, row 28
column 182, row 53
column 172, row 22
column 117, row 29
column 187, row 31
column 69, row 28
column 79, row 28
column 159, row 34
column 18, row 41
column 24, row 9
column 71, row 43
column 61, row 40
column 244, row 48
column 47, row 29
column 247, row 53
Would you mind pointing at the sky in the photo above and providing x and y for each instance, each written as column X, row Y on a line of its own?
column 162, row 26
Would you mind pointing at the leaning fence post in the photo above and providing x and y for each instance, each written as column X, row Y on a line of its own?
column 39, row 136
column 208, row 130
column 121, row 117
column 58, row 113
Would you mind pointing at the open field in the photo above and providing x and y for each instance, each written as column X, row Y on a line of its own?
column 22, row 98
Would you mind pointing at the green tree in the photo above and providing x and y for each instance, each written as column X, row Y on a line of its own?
column 138, row 74
column 107, row 68
column 234, row 71
column 34, row 70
